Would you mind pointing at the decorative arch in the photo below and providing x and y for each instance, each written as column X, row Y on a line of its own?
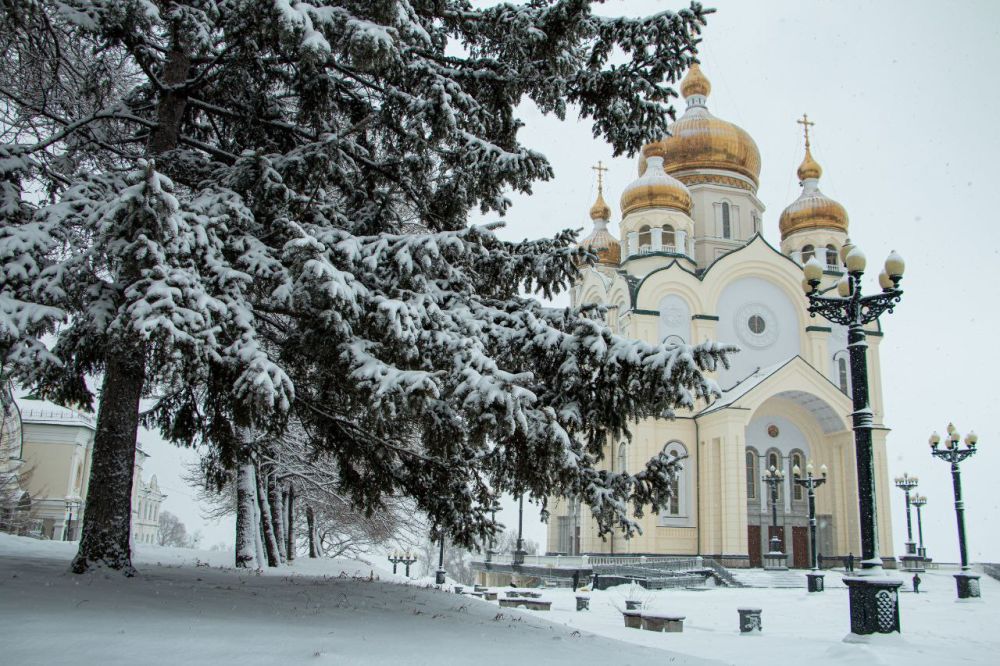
column 622, row 457
column 645, row 237
column 808, row 252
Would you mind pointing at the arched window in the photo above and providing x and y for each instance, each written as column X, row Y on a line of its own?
column 677, row 506
column 796, row 460
column 645, row 237
column 774, row 461
column 831, row 255
column 622, row 458
column 668, row 235
column 727, row 231
column 751, row 474
column 842, row 374
column 808, row 252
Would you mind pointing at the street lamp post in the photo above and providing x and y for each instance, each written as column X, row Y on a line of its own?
column 519, row 549
column 968, row 582
column 775, row 557
column 919, row 501
column 811, row 483
column 406, row 559
column 911, row 560
column 874, row 599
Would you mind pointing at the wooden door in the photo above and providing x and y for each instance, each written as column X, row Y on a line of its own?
column 753, row 545
column 800, row 547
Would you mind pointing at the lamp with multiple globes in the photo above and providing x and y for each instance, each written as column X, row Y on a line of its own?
column 911, row 560
column 775, row 557
column 811, row 483
column 954, row 453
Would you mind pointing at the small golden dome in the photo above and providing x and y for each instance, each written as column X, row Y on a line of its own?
column 699, row 140
column 812, row 210
column 656, row 189
column 695, row 82
column 809, row 168
column 600, row 210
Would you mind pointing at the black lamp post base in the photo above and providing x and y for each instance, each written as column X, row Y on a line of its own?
column 439, row 577
column 775, row 561
column 519, row 557
column 968, row 585
column 874, row 605
column 815, row 581
column 911, row 549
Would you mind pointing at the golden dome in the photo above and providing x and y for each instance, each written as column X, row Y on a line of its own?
column 695, row 82
column 656, row 189
column 600, row 241
column 809, row 168
column 600, row 210
column 699, row 140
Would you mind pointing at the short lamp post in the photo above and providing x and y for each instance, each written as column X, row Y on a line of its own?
column 439, row 574
column 71, row 503
column 811, row 483
column 952, row 452
column 774, row 558
column 874, row 599
column 406, row 559
column 919, row 501
column 911, row 560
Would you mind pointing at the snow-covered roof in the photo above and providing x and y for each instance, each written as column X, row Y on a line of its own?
column 49, row 413
column 827, row 418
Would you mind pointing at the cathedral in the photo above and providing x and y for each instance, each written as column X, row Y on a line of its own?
column 689, row 264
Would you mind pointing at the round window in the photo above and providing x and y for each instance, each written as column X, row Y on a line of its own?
column 756, row 324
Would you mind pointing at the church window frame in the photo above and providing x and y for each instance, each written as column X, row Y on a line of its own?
column 808, row 252
column 727, row 227
column 668, row 236
column 796, row 458
column 752, row 472
column 622, row 457
column 775, row 460
column 645, row 238
column 677, row 505
column 832, row 256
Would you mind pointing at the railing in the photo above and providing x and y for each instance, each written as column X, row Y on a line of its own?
column 665, row 563
column 650, row 249
column 52, row 415
column 549, row 561
column 722, row 572
column 604, row 562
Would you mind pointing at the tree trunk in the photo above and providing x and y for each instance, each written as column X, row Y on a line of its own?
column 290, row 526
column 311, row 526
column 246, row 518
column 108, row 515
column 267, row 531
column 277, row 515
column 107, row 519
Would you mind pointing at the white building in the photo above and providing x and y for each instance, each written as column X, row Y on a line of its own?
column 689, row 264
column 56, row 448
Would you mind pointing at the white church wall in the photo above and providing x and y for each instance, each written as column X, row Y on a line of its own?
column 759, row 317
column 675, row 318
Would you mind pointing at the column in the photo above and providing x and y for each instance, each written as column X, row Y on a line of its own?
column 633, row 243
column 680, row 240
column 657, row 234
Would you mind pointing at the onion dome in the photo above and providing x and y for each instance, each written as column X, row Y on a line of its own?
column 699, row 140
column 600, row 241
column 656, row 189
column 813, row 209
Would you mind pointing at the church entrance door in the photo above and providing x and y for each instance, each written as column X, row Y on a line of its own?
column 800, row 547
column 753, row 545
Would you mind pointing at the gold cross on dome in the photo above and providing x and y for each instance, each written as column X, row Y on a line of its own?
column 806, row 124
column 600, row 169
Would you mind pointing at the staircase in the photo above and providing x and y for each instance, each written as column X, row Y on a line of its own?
column 790, row 579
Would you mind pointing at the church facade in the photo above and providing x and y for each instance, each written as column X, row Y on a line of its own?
column 690, row 264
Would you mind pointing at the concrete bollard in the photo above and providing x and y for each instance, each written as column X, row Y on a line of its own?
column 632, row 604
column 582, row 602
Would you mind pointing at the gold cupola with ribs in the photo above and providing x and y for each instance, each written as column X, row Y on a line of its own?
column 702, row 148
column 600, row 241
column 813, row 209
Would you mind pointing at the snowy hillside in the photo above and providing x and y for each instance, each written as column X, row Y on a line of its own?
column 176, row 612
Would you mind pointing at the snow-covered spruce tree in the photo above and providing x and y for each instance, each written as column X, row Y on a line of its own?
column 207, row 201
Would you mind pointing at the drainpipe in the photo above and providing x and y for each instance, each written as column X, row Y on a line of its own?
column 697, row 481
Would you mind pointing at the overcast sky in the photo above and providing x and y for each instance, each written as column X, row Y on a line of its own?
column 905, row 104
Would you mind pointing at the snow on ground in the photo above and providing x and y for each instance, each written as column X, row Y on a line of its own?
column 188, row 606
column 176, row 612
